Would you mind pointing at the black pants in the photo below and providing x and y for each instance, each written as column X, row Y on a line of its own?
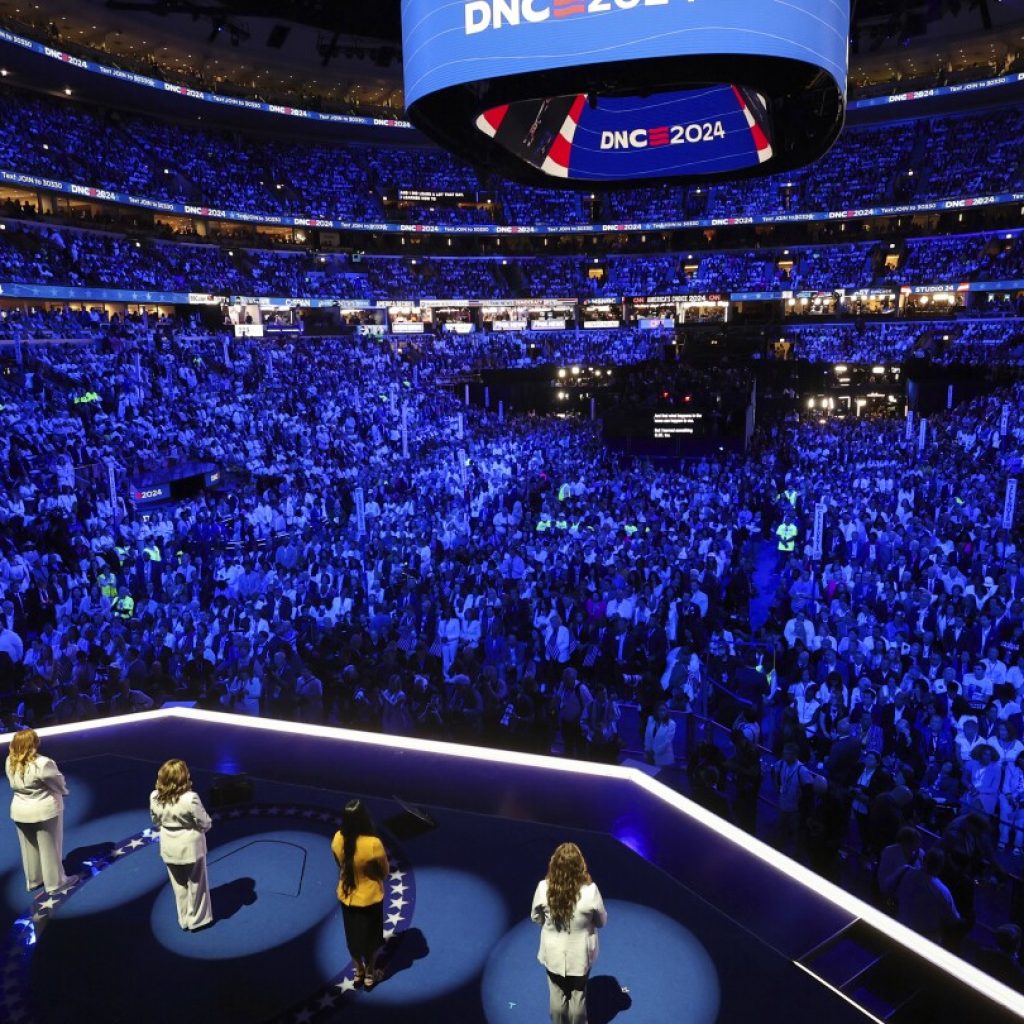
column 364, row 929
column 567, row 999
column 572, row 737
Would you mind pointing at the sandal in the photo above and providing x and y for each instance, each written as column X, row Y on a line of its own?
column 373, row 978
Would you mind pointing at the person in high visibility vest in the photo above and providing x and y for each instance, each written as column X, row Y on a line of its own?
column 124, row 606
column 108, row 585
column 786, row 531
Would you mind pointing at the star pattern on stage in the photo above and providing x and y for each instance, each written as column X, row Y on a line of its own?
column 399, row 895
column 15, row 958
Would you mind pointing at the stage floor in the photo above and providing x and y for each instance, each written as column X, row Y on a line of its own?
column 463, row 948
column 700, row 929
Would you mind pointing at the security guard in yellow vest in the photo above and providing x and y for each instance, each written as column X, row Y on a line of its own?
column 124, row 606
column 108, row 585
column 786, row 531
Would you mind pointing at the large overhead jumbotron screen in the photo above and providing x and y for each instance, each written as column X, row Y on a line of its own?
column 588, row 91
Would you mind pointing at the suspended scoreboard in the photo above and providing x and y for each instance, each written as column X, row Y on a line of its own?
column 604, row 92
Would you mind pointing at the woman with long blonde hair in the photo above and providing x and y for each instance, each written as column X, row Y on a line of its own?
column 568, row 907
column 183, row 822
column 37, row 810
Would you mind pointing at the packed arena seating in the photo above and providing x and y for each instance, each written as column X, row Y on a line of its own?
column 482, row 587
column 753, row 271
column 844, row 176
column 436, row 278
column 647, row 204
column 943, row 259
column 476, row 591
column 972, row 155
column 515, row 349
column 654, row 275
column 34, row 252
column 421, row 169
column 47, row 324
column 149, row 158
column 837, row 266
column 942, row 342
column 524, row 204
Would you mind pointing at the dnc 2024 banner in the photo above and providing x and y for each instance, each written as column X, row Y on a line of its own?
column 616, row 90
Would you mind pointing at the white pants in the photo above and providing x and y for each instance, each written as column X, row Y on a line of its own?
column 42, row 853
column 191, row 893
column 1011, row 819
column 567, row 999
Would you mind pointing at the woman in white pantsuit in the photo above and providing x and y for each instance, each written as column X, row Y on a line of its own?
column 37, row 810
column 183, row 824
column 568, row 907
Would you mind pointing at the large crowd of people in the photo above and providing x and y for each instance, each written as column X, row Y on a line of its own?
column 941, row 342
column 970, row 154
column 366, row 550
column 509, row 581
column 52, row 254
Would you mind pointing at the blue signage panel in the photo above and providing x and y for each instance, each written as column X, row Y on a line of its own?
column 16, row 178
column 455, row 43
column 709, row 130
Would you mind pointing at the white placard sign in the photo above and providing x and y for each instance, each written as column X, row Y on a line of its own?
column 1010, row 504
column 818, row 543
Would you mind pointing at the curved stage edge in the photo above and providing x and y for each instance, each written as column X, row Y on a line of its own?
column 726, row 905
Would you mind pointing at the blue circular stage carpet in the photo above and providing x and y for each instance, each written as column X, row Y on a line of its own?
column 671, row 976
column 460, row 945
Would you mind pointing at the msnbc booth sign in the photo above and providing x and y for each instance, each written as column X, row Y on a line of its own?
column 581, row 92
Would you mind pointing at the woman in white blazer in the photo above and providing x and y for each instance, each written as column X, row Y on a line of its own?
column 37, row 810
column 659, row 737
column 568, row 907
column 183, row 824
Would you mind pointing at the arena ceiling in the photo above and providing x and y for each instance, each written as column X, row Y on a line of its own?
column 896, row 20
column 348, row 52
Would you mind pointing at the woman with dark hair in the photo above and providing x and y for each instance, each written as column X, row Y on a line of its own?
column 175, row 808
column 568, row 907
column 363, row 865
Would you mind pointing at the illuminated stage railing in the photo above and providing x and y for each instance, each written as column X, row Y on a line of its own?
column 788, row 906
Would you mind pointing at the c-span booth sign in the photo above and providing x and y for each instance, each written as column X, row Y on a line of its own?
column 581, row 93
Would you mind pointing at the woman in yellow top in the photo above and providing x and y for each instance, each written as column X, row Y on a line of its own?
column 364, row 866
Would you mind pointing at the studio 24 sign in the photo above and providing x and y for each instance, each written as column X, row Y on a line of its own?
column 482, row 15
